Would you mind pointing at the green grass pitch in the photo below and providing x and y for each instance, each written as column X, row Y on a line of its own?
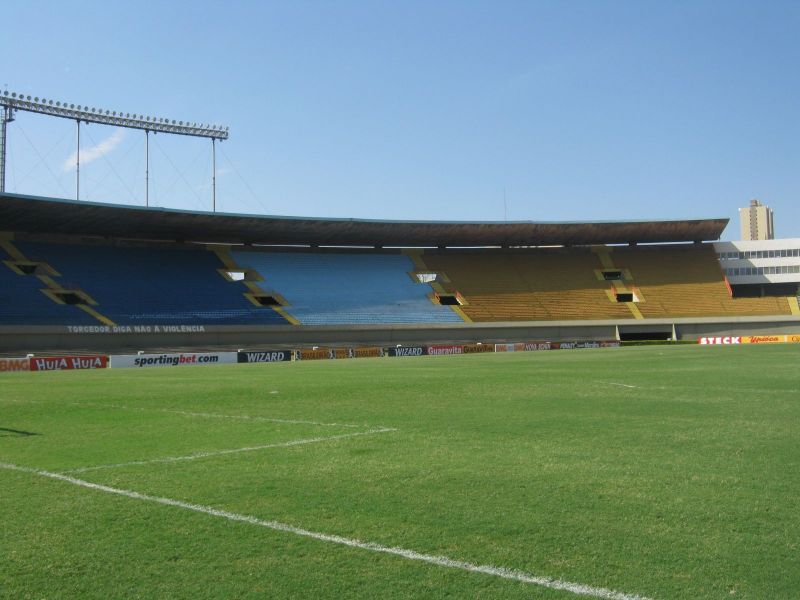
column 660, row 472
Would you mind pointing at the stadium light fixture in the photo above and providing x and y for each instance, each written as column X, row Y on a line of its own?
column 15, row 101
column 11, row 102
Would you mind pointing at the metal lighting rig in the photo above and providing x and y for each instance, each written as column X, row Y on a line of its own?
column 12, row 102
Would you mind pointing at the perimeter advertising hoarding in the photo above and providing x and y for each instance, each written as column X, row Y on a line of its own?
column 563, row 345
column 522, row 347
column 749, row 339
column 765, row 339
column 122, row 361
column 720, row 340
column 7, row 365
column 443, row 350
column 264, row 356
column 318, row 354
column 587, row 344
column 369, row 352
column 408, row 351
column 339, row 353
column 509, row 347
column 478, row 348
column 67, row 363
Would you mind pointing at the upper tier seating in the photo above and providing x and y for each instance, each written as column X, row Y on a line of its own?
column 346, row 288
column 145, row 285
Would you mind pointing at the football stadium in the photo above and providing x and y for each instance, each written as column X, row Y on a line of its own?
column 434, row 409
column 204, row 404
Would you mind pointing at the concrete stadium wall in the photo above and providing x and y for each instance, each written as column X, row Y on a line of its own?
column 21, row 340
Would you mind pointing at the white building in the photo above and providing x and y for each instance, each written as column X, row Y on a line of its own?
column 771, row 265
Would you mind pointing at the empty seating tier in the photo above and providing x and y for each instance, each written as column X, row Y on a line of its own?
column 22, row 302
column 536, row 285
column 563, row 284
column 160, row 284
column 144, row 285
column 326, row 288
column 687, row 281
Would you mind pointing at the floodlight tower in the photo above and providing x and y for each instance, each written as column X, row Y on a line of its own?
column 12, row 102
column 8, row 116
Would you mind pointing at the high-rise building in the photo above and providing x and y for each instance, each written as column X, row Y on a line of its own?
column 756, row 222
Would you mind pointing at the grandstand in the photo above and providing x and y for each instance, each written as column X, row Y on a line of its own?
column 128, row 285
column 75, row 271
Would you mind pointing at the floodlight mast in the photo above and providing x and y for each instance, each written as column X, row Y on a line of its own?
column 11, row 102
column 8, row 116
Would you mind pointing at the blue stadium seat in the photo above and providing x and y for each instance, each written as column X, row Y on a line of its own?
column 345, row 289
column 144, row 286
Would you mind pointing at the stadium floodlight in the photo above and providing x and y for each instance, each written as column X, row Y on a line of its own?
column 15, row 101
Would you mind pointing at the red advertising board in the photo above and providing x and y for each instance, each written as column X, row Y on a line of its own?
column 67, row 363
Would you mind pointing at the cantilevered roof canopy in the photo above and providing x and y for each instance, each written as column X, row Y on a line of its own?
column 32, row 214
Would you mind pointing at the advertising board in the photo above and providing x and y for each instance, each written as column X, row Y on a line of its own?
column 311, row 354
column 264, row 356
column 408, row 351
column 509, row 347
column 8, row 365
column 445, row 350
column 122, row 361
column 720, row 340
column 563, row 345
column 764, row 339
column 587, row 344
column 67, row 363
column 778, row 338
column 536, row 346
column 370, row 352
column 478, row 348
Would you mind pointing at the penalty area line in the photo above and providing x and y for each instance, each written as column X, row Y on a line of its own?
column 195, row 456
column 440, row 561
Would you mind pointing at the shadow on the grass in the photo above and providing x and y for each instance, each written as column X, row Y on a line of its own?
column 5, row 432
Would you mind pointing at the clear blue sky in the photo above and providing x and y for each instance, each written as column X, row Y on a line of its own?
column 579, row 110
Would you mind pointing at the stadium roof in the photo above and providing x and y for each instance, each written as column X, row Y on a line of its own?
column 31, row 214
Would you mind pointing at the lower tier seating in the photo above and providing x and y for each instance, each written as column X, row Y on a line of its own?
column 143, row 285
column 161, row 284
column 563, row 284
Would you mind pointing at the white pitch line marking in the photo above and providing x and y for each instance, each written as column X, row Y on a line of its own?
column 440, row 561
column 215, row 415
column 169, row 459
column 623, row 385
